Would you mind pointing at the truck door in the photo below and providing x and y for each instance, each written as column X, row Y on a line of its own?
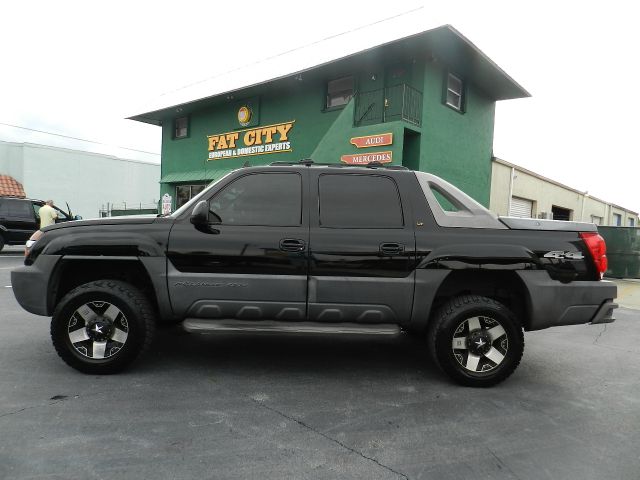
column 252, row 262
column 362, row 250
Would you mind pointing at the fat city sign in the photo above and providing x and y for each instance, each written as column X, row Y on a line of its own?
column 252, row 141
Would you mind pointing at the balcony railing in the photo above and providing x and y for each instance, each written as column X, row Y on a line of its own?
column 400, row 102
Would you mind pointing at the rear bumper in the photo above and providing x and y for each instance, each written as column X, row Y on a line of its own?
column 605, row 313
column 552, row 303
column 30, row 284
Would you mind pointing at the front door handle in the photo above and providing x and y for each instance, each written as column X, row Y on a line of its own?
column 391, row 248
column 292, row 245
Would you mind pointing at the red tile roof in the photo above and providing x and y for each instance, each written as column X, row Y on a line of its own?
column 9, row 186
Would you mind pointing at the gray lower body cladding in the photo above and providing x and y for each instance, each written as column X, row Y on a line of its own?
column 552, row 303
column 30, row 284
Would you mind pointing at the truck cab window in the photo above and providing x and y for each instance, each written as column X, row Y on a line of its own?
column 359, row 201
column 270, row 199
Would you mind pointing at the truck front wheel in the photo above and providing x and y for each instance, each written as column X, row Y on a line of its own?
column 476, row 340
column 101, row 327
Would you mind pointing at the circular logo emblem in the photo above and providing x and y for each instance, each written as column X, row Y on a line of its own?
column 244, row 115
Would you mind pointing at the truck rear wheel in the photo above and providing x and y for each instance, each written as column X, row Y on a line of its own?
column 101, row 327
column 476, row 340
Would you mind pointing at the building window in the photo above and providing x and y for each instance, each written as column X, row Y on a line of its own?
column 339, row 92
column 184, row 193
column 596, row 219
column 181, row 127
column 455, row 93
column 617, row 219
column 632, row 222
column 560, row 213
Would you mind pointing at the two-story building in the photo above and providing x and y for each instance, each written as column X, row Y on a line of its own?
column 425, row 101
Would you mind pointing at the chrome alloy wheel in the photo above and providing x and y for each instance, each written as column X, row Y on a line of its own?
column 480, row 344
column 98, row 330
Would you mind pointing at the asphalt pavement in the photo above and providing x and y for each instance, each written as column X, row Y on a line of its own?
column 296, row 407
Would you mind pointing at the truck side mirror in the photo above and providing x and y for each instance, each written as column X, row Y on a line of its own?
column 200, row 217
column 200, row 214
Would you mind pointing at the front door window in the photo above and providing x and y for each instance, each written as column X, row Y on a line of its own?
column 270, row 199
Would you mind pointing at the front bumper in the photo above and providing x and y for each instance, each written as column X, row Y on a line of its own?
column 31, row 284
column 552, row 303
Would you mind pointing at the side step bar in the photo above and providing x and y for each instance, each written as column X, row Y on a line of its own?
column 199, row 325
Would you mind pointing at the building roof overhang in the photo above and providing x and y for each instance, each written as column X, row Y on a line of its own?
column 443, row 44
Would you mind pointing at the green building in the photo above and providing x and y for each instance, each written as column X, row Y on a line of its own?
column 426, row 101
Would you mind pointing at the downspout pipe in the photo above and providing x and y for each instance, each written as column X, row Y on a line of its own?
column 513, row 173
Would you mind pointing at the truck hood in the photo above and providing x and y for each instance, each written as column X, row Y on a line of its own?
column 128, row 220
column 139, row 236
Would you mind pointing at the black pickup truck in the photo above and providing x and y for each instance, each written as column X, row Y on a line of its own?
column 311, row 248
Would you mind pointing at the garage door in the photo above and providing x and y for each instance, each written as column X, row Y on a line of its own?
column 520, row 207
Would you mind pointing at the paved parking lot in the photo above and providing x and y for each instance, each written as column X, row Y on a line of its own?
column 247, row 407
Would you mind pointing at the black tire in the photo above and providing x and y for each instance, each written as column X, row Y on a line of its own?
column 476, row 340
column 1, row 242
column 101, row 327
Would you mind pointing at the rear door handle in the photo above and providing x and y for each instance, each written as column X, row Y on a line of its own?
column 391, row 248
column 292, row 245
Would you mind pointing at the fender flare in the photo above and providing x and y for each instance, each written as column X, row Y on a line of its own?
column 475, row 255
column 152, row 266
column 106, row 245
column 431, row 274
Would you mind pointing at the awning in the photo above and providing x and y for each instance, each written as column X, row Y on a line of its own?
column 203, row 175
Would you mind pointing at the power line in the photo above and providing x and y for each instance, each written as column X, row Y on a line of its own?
column 76, row 138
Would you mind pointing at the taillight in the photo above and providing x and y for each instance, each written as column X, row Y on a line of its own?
column 598, row 249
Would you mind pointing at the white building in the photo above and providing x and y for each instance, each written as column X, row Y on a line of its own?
column 518, row 192
column 86, row 181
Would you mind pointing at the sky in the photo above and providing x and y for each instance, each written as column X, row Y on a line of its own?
column 78, row 69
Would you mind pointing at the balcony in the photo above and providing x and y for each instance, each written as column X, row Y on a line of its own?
column 400, row 102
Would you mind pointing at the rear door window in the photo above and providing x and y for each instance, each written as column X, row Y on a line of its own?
column 15, row 208
column 359, row 201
